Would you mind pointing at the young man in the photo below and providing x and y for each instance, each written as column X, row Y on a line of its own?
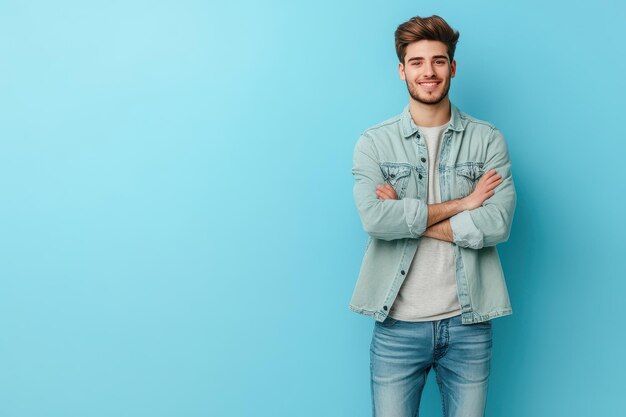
column 434, row 191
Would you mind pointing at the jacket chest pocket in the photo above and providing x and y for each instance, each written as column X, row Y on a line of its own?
column 467, row 175
column 397, row 174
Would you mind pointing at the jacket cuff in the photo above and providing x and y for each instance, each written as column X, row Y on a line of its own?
column 464, row 231
column 416, row 213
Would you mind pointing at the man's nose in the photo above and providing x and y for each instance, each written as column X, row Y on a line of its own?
column 429, row 70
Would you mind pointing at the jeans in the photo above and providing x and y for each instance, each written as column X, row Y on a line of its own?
column 402, row 353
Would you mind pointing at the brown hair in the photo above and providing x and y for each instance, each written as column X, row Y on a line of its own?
column 432, row 28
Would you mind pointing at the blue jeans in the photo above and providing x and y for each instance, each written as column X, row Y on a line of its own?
column 402, row 353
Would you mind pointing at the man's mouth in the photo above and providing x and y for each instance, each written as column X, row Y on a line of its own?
column 429, row 84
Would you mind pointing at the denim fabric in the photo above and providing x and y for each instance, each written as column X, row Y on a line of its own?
column 395, row 152
column 402, row 354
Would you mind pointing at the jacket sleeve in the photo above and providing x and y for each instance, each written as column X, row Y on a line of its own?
column 383, row 219
column 489, row 224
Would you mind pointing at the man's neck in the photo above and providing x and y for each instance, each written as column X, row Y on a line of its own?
column 430, row 115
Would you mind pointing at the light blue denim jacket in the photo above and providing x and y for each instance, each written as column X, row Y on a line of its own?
column 394, row 151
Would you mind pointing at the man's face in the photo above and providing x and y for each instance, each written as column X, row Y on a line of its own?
column 427, row 71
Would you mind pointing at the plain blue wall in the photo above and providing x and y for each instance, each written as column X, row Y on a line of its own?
column 178, row 236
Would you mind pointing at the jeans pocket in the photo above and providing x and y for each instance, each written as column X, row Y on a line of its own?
column 483, row 327
column 388, row 322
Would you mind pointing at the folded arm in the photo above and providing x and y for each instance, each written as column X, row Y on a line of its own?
column 490, row 223
column 385, row 217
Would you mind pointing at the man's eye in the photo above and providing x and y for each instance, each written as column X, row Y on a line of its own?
column 440, row 62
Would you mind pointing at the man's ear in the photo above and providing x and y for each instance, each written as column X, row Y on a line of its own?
column 401, row 71
column 453, row 68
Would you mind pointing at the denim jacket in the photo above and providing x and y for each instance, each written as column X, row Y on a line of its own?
column 394, row 151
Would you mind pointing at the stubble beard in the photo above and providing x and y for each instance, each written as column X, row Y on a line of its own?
column 432, row 100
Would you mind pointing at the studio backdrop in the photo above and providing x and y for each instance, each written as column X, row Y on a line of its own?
column 178, row 235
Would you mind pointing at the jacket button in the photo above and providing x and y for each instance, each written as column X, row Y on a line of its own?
column 402, row 272
column 392, row 175
column 385, row 308
column 423, row 159
column 420, row 176
column 418, row 135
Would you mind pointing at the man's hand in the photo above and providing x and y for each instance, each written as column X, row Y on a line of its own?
column 483, row 191
column 386, row 192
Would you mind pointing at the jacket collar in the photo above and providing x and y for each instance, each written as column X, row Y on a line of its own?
column 409, row 127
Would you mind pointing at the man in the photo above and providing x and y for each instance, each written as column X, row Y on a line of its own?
column 434, row 191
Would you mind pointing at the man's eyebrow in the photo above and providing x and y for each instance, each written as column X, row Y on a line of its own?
column 417, row 58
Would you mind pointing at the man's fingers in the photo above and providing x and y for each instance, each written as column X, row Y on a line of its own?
column 495, row 178
column 494, row 184
column 489, row 175
column 386, row 192
column 490, row 180
column 392, row 192
column 383, row 192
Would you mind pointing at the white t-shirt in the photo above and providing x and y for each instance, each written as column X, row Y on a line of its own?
column 429, row 291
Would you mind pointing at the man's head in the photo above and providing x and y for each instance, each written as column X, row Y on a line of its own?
column 425, row 48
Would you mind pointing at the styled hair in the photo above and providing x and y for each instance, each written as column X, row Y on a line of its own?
column 432, row 28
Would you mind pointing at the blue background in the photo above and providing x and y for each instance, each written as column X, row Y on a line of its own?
column 178, row 236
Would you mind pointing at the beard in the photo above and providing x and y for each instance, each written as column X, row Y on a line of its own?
column 420, row 97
